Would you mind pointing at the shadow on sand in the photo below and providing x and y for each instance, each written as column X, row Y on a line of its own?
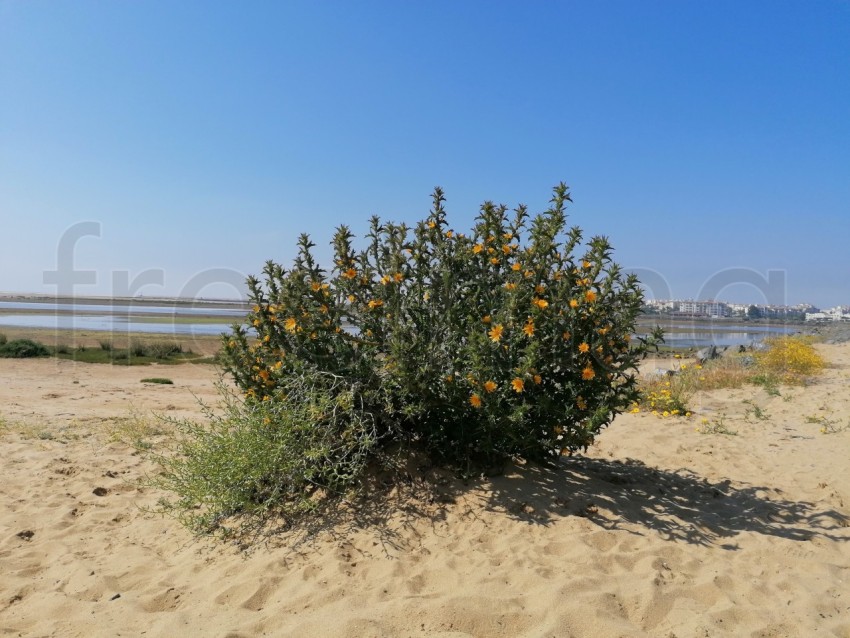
column 616, row 495
column 679, row 505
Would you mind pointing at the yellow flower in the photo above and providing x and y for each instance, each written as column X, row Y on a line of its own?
column 432, row 225
column 540, row 289
column 566, row 336
column 528, row 273
column 290, row 324
column 350, row 273
column 540, row 303
column 278, row 365
column 398, row 277
column 475, row 400
column 494, row 261
column 538, row 379
column 351, row 298
column 256, row 322
column 518, row 385
column 496, row 333
column 528, row 328
column 256, row 308
column 586, row 264
column 508, row 236
column 315, row 286
column 587, row 374
column 506, row 249
column 449, row 234
column 267, row 338
column 590, row 296
column 583, row 347
column 385, row 280
column 581, row 403
column 486, row 319
column 489, row 386
column 635, row 410
column 477, row 248
column 376, row 303
column 510, row 285
column 264, row 375
column 573, row 303
column 515, row 266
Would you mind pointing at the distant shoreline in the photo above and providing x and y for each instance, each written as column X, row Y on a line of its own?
column 94, row 300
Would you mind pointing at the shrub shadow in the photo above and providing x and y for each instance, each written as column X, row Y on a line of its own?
column 679, row 505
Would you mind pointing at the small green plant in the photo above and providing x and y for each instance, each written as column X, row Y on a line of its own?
column 258, row 459
column 715, row 426
column 105, row 345
column 769, row 381
column 159, row 380
column 23, row 348
column 3, row 339
column 63, row 348
column 155, row 349
column 756, row 411
column 136, row 430
column 828, row 426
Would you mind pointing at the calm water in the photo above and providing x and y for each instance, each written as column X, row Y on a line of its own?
column 123, row 318
column 131, row 318
column 722, row 334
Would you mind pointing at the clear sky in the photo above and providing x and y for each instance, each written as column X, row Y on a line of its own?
column 709, row 140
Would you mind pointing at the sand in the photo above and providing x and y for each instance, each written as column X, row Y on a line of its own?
column 658, row 531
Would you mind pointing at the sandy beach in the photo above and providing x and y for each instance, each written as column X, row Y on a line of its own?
column 659, row 530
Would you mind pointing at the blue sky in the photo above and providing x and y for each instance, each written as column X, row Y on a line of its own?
column 708, row 140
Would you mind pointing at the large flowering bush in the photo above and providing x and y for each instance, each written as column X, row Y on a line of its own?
column 512, row 340
column 473, row 346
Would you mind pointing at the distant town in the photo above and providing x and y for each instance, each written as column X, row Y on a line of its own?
column 720, row 309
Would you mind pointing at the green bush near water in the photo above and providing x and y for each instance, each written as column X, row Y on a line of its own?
column 511, row 341
column 23, row 349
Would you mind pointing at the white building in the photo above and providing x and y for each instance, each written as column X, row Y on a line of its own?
column 832, row 314
column 705, row 308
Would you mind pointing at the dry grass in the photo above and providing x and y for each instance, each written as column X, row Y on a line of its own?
column 788, row 360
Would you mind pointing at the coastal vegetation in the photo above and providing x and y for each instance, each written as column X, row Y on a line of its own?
column 789, row 360
column 512, row 341
column 137, row 352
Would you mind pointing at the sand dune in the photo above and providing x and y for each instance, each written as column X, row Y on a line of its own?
column 658, row 531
